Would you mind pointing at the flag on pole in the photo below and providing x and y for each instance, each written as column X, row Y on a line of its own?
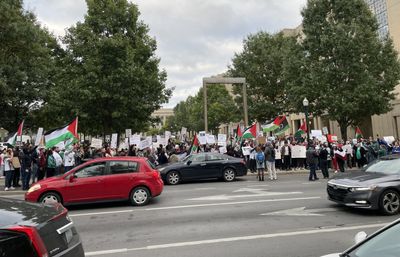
column 57, row 135
column 238, row 133
column 358, row 133
column 274, row 125
column 14, row 138
column 250, row 132
column 301, row 131
column 195, row 145
column 283, row 125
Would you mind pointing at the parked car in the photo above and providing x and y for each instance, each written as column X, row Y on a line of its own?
column 100, row 180
column 203, row 166
column 377, row 187
column 383, row 243
column 31, row 230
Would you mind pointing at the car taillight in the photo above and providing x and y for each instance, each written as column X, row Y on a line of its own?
column 35, row 238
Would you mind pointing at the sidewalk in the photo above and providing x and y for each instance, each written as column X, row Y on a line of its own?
column 16, row 191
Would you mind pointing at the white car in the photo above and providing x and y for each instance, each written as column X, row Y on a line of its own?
column 383, row 243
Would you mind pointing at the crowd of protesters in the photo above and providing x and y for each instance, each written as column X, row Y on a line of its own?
column 24, row 165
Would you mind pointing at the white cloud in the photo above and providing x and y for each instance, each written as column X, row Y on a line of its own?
column 196, row 38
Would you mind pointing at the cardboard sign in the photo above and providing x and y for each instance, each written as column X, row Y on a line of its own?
column 134, row 140
column 39, row 136
column 210, row 139
column 96, row 143
column 262, row 140
column 114, row 138
column 222, row 139
column 298, row 151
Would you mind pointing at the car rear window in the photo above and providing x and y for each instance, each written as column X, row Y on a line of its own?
column 122, row 167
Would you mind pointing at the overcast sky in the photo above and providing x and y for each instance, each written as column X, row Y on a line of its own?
column 196, row 38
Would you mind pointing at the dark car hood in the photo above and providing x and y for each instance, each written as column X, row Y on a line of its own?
column 362, row 178
column 17, row 212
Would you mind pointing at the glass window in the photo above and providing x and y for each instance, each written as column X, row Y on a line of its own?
column 215, row 157
column 121, row 167
column 386, row 244
column 195, row 158
column 385, row 166
column 92, row 170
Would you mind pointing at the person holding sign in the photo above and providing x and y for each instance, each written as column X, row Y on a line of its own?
column 260, row 160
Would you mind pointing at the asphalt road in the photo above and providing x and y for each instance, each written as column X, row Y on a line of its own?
column 288, row 217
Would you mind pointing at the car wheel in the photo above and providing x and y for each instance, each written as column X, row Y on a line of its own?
column 173, row 178
column 140, row 196
column 50, row 198
column 390, row 202
column 229, row 175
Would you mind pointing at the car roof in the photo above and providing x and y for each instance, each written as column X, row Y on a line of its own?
column 117, row 158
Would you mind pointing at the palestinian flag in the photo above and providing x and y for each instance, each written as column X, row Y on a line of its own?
column 55, row 136
column 238, row 133
column 274, row 125
column 283, row 125
column 250, row 132
column 195, row 145
column 358, row 133
column 14, row 138
column 301, row 131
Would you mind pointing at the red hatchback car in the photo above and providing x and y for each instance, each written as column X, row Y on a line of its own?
column 100, row 180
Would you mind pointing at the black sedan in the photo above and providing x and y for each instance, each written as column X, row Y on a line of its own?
column 376, row 187
column 30, row 229
column 203, row 166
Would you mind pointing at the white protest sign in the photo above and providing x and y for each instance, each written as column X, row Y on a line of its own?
column 161, row 141
column 298, row 151
column 149, row 139
column 210, row 139
column 202, row 138
column 39, row 136
column 167, row 135
column 322, row 139
column 223, row 149
column 114, row 138
column 96, row 143
column 144, row 144
column 325, row 131
column 348, row 149
column 134, row 140
column 278, row 154
column 389, row 139
column 222, row 139
column 316, row 133
column 246, row 150
column 128, row 133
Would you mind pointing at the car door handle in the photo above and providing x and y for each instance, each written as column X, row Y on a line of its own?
column 203, row 164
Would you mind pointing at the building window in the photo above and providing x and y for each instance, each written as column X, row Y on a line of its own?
column 379, row 9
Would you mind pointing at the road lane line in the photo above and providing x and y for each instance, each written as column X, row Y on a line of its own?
column 98, row 213
column 231, row 203
column 242, row 238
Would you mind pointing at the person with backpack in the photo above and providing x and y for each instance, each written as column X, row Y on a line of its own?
column 260, row 159
column 270, row 158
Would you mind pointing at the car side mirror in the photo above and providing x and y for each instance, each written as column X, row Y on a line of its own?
column 189, row 162
column 360, row 236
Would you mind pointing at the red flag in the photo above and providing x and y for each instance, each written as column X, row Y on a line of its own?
column 238, row 132
column 358, row 133
column 20, row 128
column 303, row 126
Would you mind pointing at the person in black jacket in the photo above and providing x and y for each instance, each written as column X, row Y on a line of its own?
column 26, row 168
column 323, row 156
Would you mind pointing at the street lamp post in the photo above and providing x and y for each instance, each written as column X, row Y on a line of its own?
column 305, row 104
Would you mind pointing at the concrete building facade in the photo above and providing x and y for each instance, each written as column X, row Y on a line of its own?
column 162, row 114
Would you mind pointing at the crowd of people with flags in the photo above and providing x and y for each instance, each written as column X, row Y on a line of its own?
column 24, row 163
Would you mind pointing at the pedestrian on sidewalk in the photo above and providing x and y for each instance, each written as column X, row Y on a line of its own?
column 286, row 154
column 323, row 157
column 312, row 160
column 27, row 168
column 270, row 158
column 2, row 154
column 17, row 167
column 9, row 170
column 260, row 159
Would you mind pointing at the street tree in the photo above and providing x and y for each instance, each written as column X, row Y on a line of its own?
column 111, row 77
column 347, row 71
column 27, row 64
column 261, row 63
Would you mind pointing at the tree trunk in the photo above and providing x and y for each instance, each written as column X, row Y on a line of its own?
column 343, row 130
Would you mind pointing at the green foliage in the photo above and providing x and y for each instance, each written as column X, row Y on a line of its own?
column 110, row 75
column 261, row 63
column 190, row 113
column 27, row 64
column 346, row 72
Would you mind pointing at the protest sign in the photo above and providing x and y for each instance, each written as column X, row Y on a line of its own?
column 322, row 139
column 389, row 139
column 261, row 140
column 167, row 135
column 332, row 138
column 210, row 139
column 134, row 140
column 108, row 138
column 144, row 144
column 202, row 138
column 246, row 150
column 114, row 138
column 128, row 133
column 316, row 133
column 96, row 143
column 222, row 139
column 298, row 151
column 223, row 150
column 325, row 131
column 39, row 136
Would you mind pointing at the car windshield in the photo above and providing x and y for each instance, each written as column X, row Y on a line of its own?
column 385, row 167
column 385, row 244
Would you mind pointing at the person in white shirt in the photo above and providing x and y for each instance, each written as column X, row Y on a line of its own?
column 59, row 161
column 8, row 169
